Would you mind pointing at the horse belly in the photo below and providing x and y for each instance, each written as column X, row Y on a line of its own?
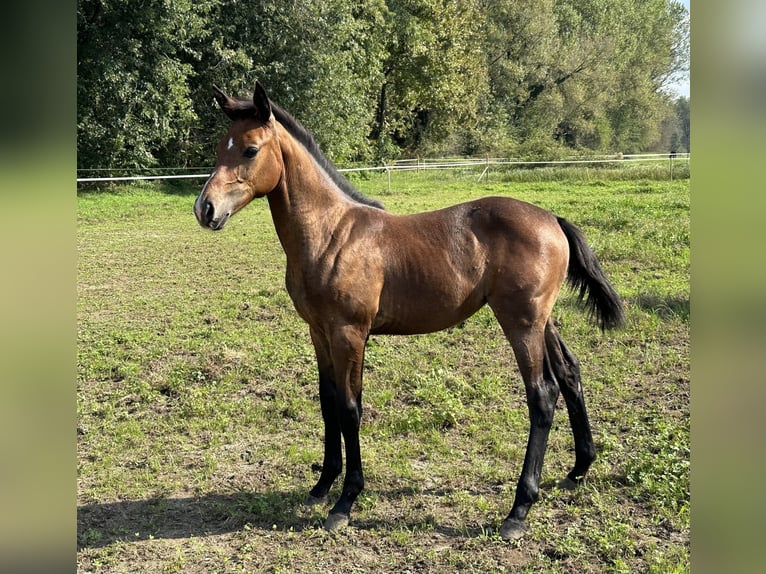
column 425, row 310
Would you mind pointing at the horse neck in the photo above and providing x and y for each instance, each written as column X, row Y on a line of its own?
column 306, row 206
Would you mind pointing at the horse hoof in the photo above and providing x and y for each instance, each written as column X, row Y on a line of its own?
column 512, row 529
column 567, row 484
column 315, row 500
column 336, row 522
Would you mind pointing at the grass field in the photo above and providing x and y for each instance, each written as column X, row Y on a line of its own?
column 199, row 431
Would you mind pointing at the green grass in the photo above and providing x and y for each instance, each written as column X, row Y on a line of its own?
column 199, row 427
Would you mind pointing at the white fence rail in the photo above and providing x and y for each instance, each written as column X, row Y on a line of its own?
column 440, row 163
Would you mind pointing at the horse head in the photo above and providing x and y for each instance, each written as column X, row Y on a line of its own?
column 248, row 159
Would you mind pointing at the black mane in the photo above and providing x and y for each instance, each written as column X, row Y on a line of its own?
column 301, row 134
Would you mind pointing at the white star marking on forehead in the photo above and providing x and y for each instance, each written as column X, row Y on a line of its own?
column 231, row 143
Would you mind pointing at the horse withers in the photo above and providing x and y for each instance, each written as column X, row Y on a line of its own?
column 354, row 269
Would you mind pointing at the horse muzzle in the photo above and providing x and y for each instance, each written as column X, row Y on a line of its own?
column 207, row 216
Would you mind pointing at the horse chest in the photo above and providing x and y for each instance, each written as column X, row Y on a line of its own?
column 300, row 293
column 309, row 293
column 321, row 294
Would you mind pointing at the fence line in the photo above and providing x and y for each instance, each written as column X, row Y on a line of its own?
column 427, row 163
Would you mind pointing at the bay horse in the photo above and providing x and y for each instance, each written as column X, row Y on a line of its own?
column 354, row 269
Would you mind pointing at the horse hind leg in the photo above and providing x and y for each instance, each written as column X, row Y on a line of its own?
column 542, row 393
column 565, row 369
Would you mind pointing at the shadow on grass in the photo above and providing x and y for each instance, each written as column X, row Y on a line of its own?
column 184, row 188
column 178, row 187
column 102, row 524
column 665, row 307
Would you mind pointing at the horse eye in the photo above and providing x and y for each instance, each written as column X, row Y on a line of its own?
column 250, row 152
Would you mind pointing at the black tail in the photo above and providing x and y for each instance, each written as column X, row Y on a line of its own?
column 586, row 276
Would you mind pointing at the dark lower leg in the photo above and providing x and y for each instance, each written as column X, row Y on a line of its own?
column 541, row 410
column 566, row 369
column 348, row 359
column 353, row 483
column 332, row 464
column 542, row 402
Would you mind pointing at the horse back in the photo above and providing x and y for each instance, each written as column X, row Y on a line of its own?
column 440, row 267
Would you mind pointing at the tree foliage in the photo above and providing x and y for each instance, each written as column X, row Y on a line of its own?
column 134, row 66
column 378, row 78
column 434, row 73
column 682, row 114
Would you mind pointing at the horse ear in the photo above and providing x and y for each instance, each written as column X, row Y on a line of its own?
column 228, row 105
column 262, row 103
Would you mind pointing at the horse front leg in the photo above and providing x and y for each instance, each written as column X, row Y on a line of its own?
column 348, row 359
column 332, row 463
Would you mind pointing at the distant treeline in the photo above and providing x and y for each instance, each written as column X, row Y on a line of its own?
column 378, row 79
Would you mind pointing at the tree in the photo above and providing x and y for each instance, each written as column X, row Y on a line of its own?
column 582, row 73
column 378, row 78
column 145, row 76
column 683, row 117
column 133, row 66
column 434, row 75
column 319, row 59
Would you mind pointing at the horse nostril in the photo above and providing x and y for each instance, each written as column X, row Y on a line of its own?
column 208, row 211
